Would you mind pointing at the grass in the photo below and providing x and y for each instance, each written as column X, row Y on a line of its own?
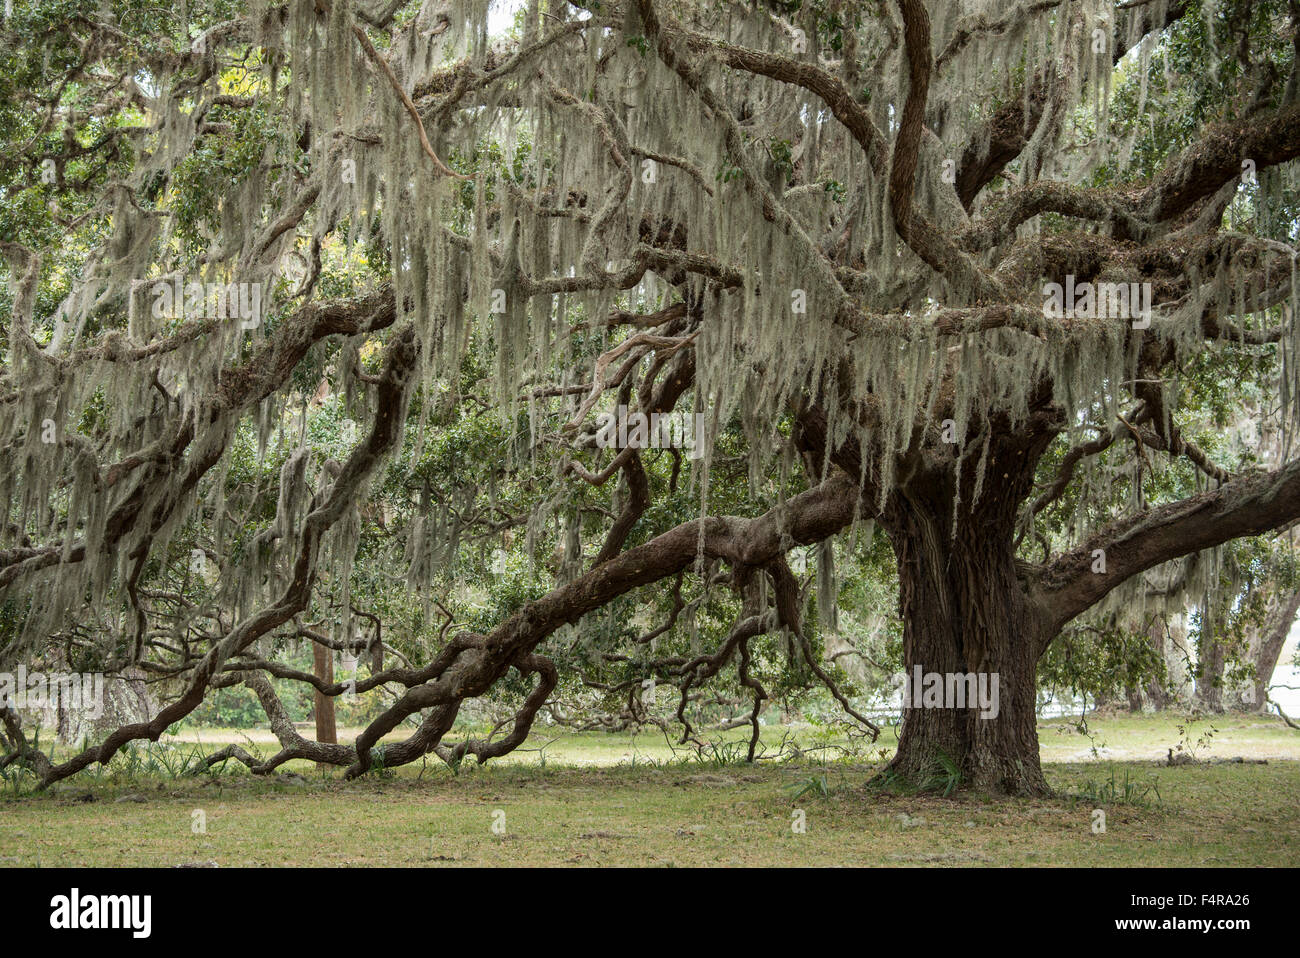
column 662, row 811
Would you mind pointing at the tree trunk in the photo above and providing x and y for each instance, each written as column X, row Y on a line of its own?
column 1276, row 630
column 1209, row 675
column 1157, row 689
column 964, row 611
column 1134, row 695
column 323, row 666
column 65, row 724
column 1178, row 660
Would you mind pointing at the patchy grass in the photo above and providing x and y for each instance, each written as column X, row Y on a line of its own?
column 1126, row 737
column 663, row 813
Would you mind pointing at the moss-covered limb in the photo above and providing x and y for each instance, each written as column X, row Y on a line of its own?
column 222, row 755
column 984, row 22
column 457, row 80
column 1214, row 275
column 787, row 601
column 293, row 745
column 807, row 517
column 655, row 397
column 907, row 145
column 1187, row 179
column 398, row 372
column 289, row 220
column 521, row 724
column 771, row 208
column 929, row 242
column 1002, row 138
column 999, row 222
column 1077, row 454
column 832, row 90
column 997, row 143
column 1245, row 506
column 967, row 279
column 382, row 64
column 1215, row 157
column 1165, row 434
column 163, row 489
column 752, row 622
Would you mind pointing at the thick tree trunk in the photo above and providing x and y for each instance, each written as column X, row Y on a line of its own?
column 964, row 611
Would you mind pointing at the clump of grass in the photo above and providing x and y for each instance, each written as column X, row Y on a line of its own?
column 155, row 760
column 18, row 779
column 1114, row 791
column 814, row 785
column 945, row 777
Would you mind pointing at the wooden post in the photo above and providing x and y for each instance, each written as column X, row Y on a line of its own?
column 323, row 665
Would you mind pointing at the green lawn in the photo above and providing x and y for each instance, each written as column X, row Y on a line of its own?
column 664, row 811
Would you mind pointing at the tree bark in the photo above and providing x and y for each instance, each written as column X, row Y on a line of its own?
column 1209, row 675
column 1157, row 689
column 1270, row 649
column 1134, row 696
column 964, row 610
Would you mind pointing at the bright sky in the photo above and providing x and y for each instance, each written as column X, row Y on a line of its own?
column 501, row 14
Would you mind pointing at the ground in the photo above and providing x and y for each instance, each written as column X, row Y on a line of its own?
column 609, row 800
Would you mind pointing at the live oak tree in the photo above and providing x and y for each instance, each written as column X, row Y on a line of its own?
column 878, row 248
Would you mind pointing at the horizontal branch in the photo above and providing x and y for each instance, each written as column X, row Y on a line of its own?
column 1249, row 505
